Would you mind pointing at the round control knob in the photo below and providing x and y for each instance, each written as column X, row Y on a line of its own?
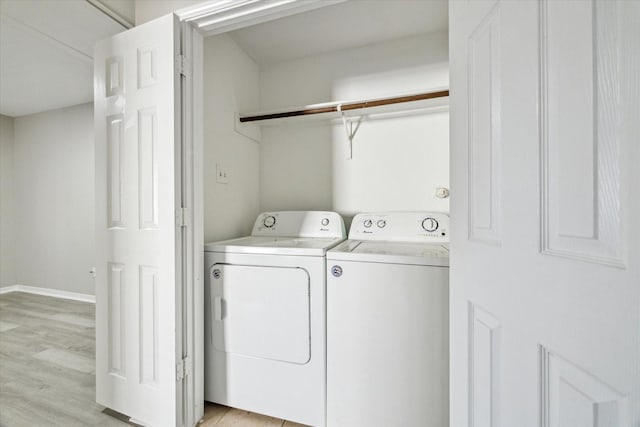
column 269, row 221
column 368, row 223
column 381, row 223
column 325, row 221
column 430, row 224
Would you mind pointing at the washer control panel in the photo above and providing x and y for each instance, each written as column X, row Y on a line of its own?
column 299, row 224
column 401, row 227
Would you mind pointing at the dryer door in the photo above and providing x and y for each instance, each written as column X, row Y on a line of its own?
column 261, row 312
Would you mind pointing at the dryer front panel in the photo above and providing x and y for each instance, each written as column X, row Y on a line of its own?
column 261, row 312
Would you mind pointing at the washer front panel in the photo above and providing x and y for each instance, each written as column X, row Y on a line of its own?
column 387, row 344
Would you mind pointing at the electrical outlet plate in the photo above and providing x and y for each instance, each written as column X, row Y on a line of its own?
column 221, row 174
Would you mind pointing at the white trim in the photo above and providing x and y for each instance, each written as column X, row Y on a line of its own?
column 220, row 16
column 55, row 293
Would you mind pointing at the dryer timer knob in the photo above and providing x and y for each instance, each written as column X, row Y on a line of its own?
column 430, row 224
column 269, row 221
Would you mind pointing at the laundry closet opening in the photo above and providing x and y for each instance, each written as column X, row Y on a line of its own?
column 397, row 158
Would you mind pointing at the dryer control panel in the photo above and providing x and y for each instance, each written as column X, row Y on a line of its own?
column 401, row 227
column 299, row 224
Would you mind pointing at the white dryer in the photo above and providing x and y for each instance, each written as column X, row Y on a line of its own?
column 387, row 322
column 265, row 345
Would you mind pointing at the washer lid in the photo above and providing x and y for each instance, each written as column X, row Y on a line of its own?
column 391, row 252
column 308, row 246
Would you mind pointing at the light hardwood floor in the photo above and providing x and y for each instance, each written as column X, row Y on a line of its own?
column 222, row 416
column 47, row 368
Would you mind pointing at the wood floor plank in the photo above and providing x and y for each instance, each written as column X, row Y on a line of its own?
column 75, row 319
column 213, row 413
column 6, row 326
column 222, row 416
column 67, row 359
column 240, row 418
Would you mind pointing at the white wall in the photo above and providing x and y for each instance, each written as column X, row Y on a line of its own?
column 397, row 163
column 230, row 85
column 53, row 181
column 7, row 273
column 147, row 10
column 124, row 8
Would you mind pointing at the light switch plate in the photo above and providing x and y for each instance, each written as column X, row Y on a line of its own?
column 221, row 174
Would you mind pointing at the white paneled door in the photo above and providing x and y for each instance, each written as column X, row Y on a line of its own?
column 545, row 251
column 139, row 296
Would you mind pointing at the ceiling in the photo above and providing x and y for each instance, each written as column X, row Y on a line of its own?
column 46, row 46
column 345, row 25
column 46, row 53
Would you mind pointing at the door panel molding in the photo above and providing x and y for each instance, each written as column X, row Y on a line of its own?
column 149, row 325
column 484, row 133
column 580, row 130
column 148, row 168
column 484, row 349
column 117, row 328
column 114, row 76
column 570, row 395
column 115, row 172
column 147, row 67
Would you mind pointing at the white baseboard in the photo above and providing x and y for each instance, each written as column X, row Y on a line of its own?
column 49, row 292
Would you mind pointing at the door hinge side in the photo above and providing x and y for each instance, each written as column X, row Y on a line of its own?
column 187, row 366
column 182, row 65
column 183, row 217
column 183, row 369
column 180, row 370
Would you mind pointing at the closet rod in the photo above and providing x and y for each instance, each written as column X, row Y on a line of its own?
column 346, row 106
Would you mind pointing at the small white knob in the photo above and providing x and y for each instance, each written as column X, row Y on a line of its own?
column 368, row 223
column 325, row 221
column 381, row 223
column 442, row 192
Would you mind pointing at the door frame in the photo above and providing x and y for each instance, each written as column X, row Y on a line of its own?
column 197, row 22
column 192, row 239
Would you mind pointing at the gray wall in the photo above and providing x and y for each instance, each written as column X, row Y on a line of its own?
column 230, row 85
column 7, row 274
column 52, row 204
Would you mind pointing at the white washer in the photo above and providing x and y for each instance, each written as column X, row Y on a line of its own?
column 387, row 322
column 265, row 346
